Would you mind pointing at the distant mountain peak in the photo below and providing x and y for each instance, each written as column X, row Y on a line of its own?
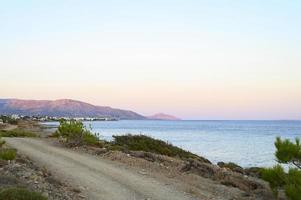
column 162, row 116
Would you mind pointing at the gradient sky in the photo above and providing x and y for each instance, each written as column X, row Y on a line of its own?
column 193, row 59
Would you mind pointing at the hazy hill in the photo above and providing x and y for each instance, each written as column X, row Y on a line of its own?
column 162, row 116
column 61, row 108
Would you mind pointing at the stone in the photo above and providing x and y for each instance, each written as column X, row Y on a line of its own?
column 3, row 163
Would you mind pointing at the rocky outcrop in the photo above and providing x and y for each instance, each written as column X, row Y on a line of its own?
column 230, row 177
column 232, row 166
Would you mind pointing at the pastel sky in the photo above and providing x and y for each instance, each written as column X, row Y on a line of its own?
column 195, row 59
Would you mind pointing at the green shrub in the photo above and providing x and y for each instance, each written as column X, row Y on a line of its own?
column 16, row 133
column 293, row 184
column 20, row 194
column 2, row 142
column 289, row 153
column 76, row 133
column 275, row 176
column 8, row 154
column 148, row 144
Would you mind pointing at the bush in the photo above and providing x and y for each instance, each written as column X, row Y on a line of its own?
column 148, row 144
column 20, row 194
column 16, row 133
column 76, row 133
column 8, row 154
column 293, row 184
column 289, row 153
column 2, row 142
column 275, row 176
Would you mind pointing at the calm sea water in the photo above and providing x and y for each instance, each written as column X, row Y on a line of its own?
column 247, row 143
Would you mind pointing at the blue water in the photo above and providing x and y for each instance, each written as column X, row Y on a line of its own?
column 247, row 143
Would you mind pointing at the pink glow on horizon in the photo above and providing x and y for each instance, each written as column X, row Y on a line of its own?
column 183, row 99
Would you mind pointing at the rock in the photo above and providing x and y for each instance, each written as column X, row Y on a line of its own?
column 152, row 157
column 253, row 171
column 232, row 166
column 145, row 155
column 98, row 151
column 76, row 190
column 21, row 160
column 8, row 181
column 82, row 196
column 143, row 172
column 82, row 188
column 250, row 185
column 53, row 181
column 3, row 163
column 203, row 169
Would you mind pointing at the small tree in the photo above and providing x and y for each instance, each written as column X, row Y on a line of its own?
column 287, row 152
column 76, row 133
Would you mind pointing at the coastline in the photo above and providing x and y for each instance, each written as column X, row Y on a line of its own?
column 227, row 141
column 196, row 178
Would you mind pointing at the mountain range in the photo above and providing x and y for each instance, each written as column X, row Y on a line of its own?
column 68, row 108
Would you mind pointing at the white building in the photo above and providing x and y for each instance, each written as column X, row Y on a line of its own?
column 15, row 116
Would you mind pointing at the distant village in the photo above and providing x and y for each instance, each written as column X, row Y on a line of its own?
column 3, row 118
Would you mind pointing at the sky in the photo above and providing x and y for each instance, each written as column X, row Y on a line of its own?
column 195, row 59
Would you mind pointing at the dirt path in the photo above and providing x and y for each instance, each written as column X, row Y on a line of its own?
column 101, row 179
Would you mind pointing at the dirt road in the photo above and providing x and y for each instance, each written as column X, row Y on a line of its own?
column 98, row 178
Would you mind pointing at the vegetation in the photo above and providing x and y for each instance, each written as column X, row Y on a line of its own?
column 9, row 120
column 76, row 133
column 287, row 152
column 148, row 144
column 16, row 133
column 8, row 154
column 2, row 142
column 20, row 194
column 14, row 193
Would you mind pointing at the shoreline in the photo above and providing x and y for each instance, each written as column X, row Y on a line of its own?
column 206, row 138
column 197, row 178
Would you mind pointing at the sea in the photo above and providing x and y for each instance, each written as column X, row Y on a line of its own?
column 246, row 143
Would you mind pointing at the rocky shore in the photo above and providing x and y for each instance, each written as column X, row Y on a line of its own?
column 194, row 176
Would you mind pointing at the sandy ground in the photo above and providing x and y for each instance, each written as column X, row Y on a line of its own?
column 8, row 127
column 97, row 178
